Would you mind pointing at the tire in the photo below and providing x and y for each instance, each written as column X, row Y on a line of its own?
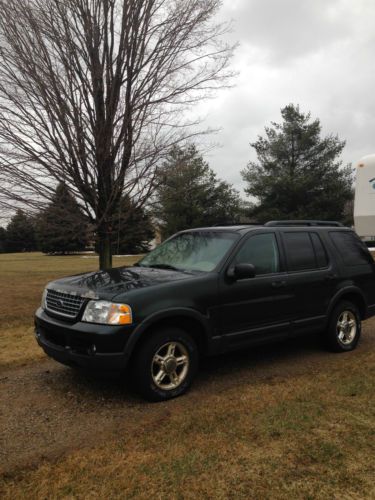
column 165, row 364
column 344, row 329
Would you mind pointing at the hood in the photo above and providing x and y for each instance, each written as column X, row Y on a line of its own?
column 107, row 284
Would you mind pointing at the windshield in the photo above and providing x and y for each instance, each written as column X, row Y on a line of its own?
column 195, row 251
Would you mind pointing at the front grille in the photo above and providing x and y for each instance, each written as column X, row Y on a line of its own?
column 64, row 303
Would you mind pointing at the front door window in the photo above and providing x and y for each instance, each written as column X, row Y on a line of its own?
column 260, row 250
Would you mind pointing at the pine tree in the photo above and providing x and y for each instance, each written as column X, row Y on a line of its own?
column 131, row 229
column 20, row 233
column 3, row 239
column 62, row 227
column 190, row 194
column 299, row 174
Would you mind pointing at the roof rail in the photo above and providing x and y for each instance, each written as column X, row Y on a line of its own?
column 303, row 223
column 224, row 224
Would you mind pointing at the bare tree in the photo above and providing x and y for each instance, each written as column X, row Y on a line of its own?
column 93, row 94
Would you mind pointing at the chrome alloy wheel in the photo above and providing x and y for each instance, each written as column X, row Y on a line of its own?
column 346, row 327
column 170, row 365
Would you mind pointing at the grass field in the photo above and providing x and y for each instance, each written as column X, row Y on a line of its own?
column 284, row 422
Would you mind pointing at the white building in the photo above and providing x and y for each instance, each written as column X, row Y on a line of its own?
column 364, row 200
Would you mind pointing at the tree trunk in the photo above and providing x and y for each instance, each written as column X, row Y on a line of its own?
column 105, row 250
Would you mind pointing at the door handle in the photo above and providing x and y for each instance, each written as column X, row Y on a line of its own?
column 330, row 277
column 278, row 284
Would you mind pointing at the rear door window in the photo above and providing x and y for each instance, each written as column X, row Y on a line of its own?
column 299, row 251
column 320, row 253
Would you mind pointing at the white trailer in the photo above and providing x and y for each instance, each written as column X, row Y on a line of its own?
column 364, row 199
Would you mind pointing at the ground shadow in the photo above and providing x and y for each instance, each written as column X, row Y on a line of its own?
column 112, row 389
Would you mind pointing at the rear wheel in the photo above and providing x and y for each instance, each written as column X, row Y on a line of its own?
column 344, row 328
column 165, row 364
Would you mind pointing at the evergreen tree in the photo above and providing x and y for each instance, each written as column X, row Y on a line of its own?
column 20, row 233
column 190, row 194
column 299, row 174
column 132, row 229
column 3, row 239
column 62, row 227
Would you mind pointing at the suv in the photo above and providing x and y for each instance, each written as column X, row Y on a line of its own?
column 207, row 291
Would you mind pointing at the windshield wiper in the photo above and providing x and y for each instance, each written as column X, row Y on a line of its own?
column 164, row 266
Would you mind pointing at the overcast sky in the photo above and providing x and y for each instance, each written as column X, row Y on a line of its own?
column 319, row 54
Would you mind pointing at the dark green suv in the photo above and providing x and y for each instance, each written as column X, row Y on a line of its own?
column 207, row 291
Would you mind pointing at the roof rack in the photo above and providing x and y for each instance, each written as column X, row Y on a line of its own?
column 224, row 224
column 304, row 223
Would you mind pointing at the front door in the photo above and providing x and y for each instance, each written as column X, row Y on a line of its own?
column 257, row 308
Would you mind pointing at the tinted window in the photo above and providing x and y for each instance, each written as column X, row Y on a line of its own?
column 353, row 252
column 299, row 251
column 320, row 253
column 261, row 251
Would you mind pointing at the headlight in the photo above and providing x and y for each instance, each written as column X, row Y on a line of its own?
column 107, row 313
column 44, row 297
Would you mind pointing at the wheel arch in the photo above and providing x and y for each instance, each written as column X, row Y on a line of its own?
column 350, row 294
column 194, row 323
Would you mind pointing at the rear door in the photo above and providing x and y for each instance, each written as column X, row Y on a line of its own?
column 312, row 276
column 260, row 307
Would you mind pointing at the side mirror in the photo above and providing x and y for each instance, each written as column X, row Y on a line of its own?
column 241, row 271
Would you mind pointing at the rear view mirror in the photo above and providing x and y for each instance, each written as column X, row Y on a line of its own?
column 241, row 271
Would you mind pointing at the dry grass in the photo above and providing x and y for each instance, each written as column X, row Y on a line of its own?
column 306, row 432
column 306, row 436
column 22, row 279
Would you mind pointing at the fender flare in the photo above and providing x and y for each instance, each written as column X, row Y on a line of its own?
column 161, row 315
column 344, row 291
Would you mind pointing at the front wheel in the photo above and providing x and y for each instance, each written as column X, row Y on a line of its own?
column 165, row 364
column 344, row 328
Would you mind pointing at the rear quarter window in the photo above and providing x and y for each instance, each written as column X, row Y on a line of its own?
column 351, row 249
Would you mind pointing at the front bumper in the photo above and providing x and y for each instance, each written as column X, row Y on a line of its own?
column 85, row 345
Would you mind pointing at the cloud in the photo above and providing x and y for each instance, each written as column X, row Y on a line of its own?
column 314, row 53
column 288, row 29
